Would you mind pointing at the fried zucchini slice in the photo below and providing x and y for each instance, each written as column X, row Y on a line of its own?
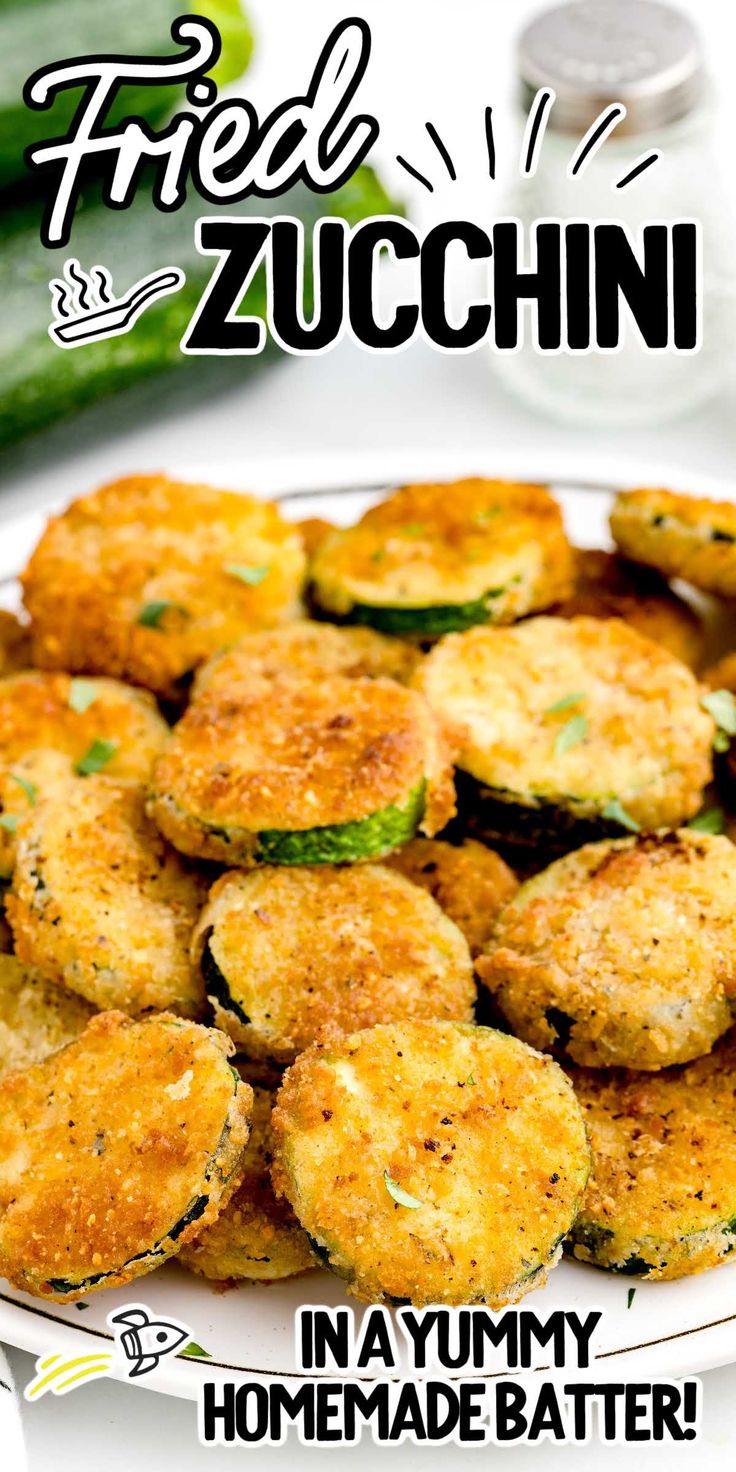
column 101, row 905
column 36, row 1017
column 310, row 649
column 682, row 536
column 431, row 1162
column 147, row 577
column 285, row 952
column 469, row 882
column 622, row 953
column 661, row 1201
column 606, row 586
column 51, row 723
column 432, row 558
column 313, row 530
column 581, row 717
column 116, row 1151
column 257, row 1235
column 302, row 771
column 15, row 644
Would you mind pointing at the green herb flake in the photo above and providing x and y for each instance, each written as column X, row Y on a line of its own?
column 399, row 1195
column 470, row 1079
column 721, row 742
column 379, row 555
column 630, row 1297
column 413, row 529
column 721, row 705
column 194, row 1351
column 574, row 698
column 80, row 1305
column 572, row 733
column 82, row 694
column 96, row 757
column 616, row 813
column 483, row 517
column 253, row 576
column 9, row 821
column 151, row 614
column 711, row 820
column 29, row 788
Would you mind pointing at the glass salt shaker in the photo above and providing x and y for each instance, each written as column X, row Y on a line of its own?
column 648, row 56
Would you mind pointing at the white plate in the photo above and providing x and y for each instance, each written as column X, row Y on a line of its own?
column 662, row 1329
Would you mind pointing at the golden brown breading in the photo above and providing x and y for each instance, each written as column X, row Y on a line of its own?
column 115, row 1152
column 661, row 1201
column 36, row 1016
column 268, row 773
column 574, row 714
column 306, row 648
column 286, row 952
column 469, row 882
column 147, row 577
column 257, row 1235
column 313, row 530
column 682, row 536
column 483, row 1135
column 101, row 904
column 722, row 674
column 606, row 586
column 622, row 953
column 447, row 546
column 15, row 644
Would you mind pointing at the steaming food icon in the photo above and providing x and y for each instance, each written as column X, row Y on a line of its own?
column 86, row 310
column 145, row 1341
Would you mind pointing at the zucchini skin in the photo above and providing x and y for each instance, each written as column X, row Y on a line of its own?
column 40, row 384
column 538, row 833
column 345, row 843
column 433, row 621
column 646, row 1256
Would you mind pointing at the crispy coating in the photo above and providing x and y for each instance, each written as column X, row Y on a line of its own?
column 101, row 905
column 15, row 644
column 661, row 1201
column 147, row 577
column 434, row 546
column 639, row 735
column 308, row 649
column 313, row 530
column 115, row 1152
column 682, row 536
column 606, row 586
column 300, row 756
column 257, row 1235
column 722, row 674
column 285, row 952
column 469, row 882
column 482, row 1133
column 622, row 953
column 36, row 1016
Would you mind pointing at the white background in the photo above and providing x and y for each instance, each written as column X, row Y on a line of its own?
column 442, row 61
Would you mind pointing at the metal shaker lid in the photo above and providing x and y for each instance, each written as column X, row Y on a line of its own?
column 643, row 53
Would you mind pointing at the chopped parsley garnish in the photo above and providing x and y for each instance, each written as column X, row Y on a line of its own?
column 413, row 529
column 574, row 698
column 470, row 1079
column 96, row 757
column 399, row 1195
column 82, row 694
column 194, row 1351
column 616, row 812
column 151, row 614
column 721, row 705
column 572, row 733
column 9, row 821
column 29, row 788
column 711, row 820
column 253, row 576
column 630, row 1297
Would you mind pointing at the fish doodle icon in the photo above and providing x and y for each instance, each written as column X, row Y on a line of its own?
column 145, row 1341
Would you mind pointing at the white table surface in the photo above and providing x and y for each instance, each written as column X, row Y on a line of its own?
column 354, row 401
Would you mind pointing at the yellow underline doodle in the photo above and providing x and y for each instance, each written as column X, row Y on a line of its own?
column 51, row 1371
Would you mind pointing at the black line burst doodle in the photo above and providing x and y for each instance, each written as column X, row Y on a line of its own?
column 536, row 125
column 414, row 173
column 597, row 133
column 442, row 150
column 642, row 163
column 490, row 142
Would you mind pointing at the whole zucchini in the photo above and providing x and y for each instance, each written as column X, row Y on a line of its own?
column 34, row 33
column 40, row 383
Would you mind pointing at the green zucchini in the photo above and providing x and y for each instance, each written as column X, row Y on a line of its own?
column 442, row 618
column 39, row 383
column 35, row 33
column 346, row 843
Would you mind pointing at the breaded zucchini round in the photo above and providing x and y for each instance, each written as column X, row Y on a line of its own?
column 285, row 952
column 661, row 1201
column 432, row 558
column 682, row 536
column 431, row 1162
column 15, row 644
column 147, row 577
column 36, row 1016
column 302, row 771
column 115, row 1152
column 606, row 586
column 101, row 905
column 580, row 717
column 257, row 1236
column 622, row 953
column 469, row 882
column 310, row 649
